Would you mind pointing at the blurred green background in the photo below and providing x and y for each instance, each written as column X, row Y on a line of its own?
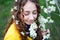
column 5, row 14
column 5, row 7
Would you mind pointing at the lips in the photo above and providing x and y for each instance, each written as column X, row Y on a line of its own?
column 31, row 21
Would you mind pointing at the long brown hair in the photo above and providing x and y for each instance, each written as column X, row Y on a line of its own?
column 20, row 26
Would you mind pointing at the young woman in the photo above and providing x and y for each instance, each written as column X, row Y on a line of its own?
column 24, row 24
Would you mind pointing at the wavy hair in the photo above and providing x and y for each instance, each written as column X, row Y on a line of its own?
column 19, row 4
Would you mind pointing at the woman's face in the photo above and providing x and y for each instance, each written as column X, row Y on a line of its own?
column 30, row 12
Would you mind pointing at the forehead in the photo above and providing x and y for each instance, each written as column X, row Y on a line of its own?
column 29, row 6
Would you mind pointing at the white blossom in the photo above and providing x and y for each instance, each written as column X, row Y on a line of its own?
column 46, row 34
column 44, row 37
column 15, row 7
column 33, row 29
column 43, row 27
column 33, row 34
column 17, row 21
column 22, row 33
column 51, row 21
column 48, row 17
column 45, row 10
column 49, row 9
column 42, row 7
column 11, row 9
column 13, row 16
column 16, row 0
column 53, row 8
column 52, row 2
column 42, row 20
column 33, row 26
column 47, row 0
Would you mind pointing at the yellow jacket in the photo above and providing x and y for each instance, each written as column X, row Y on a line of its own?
column 13, row 34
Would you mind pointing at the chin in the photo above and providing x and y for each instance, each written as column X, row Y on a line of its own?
column 29, row 23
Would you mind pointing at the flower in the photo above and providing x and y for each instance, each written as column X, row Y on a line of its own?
column 33, row 26
column 49, row 9
column 46, row 34
column 11, row 9
column 15, row 7
column 16, row 0
column 47, row 0
column 22, row 33
column 45, row 10
column 52, row 2
column 51, row 21
column 48, row 17
column 33, row 34
column 43, row 27
column 33, row 29
column 17, row 21
column 13, row 16
column 42, row 7
column 53, row 8
column 42, row 20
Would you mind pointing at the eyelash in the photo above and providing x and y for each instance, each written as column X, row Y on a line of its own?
column 34, row 13
column 28, row 14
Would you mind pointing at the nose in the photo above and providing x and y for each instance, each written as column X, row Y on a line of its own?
column 31, row 17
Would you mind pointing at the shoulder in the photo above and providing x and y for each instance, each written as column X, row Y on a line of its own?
column 12, row 33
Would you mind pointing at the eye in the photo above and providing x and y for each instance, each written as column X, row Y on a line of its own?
column 35, row 12
column 26, row 13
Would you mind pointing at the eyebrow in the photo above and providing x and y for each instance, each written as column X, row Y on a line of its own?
column 29, row 11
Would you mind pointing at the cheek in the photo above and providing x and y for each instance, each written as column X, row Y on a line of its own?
column 25, row 18
column 21, row 17
column 35, row 16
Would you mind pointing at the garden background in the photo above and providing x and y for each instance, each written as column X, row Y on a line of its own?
column 5, row 14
